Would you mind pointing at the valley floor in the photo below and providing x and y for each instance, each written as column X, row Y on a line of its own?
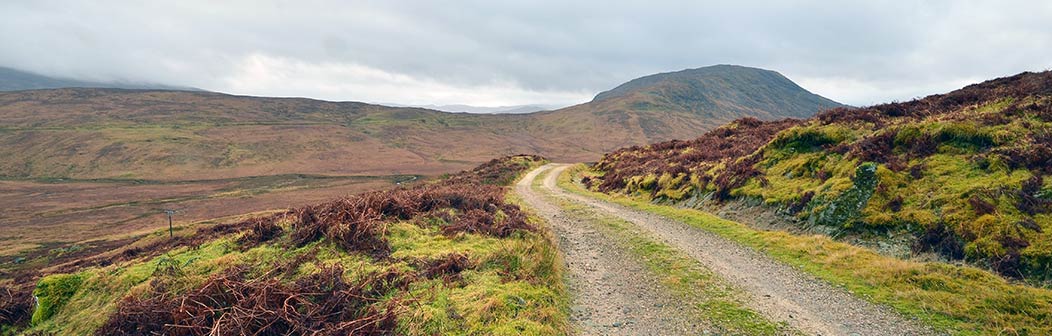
column 50, row 221
column 624, row 264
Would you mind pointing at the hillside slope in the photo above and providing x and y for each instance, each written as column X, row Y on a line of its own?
column 109, row 133
column 677, row 105
column 446, row 257
column 17, row 80
column 963, row 173
column 723, row 91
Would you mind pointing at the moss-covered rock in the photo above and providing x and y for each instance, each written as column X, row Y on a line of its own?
column 845, row 209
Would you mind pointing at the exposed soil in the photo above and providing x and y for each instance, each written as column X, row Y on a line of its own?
column 611, row 293
column 778, row 290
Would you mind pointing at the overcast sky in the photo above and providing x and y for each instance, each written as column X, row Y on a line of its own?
column 491, row 53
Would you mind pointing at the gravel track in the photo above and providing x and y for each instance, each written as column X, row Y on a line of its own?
column 611, row 293
column 777, row 290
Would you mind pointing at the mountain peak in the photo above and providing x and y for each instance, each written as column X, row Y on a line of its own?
column 723, row 88
column 655, row 79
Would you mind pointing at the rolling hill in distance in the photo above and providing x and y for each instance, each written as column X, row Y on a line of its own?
column 92, row 133
column 459, row 108
column 18, row 80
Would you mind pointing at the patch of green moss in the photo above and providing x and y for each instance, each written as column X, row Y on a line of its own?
column 791, row 176
column 648, row 182
column 804, row 139
column 959, row 136
column 673, row 187
column 52, row 293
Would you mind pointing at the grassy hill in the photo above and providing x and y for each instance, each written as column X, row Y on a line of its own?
column 962, row 173
column 110, row 133
column 677, row 105
column 452, row 256
column 722, row 92
column 17, row 80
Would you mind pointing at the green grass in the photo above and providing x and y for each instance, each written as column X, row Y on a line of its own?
column 516, row 289
column 98, row 290
column 513, row 288
column 930, row 171
column 940, row 193
column 809, row 139
column 713, row 300
column 956, row 299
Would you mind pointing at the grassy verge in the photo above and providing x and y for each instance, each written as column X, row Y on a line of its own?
column 514, row 288
column 957, row 299
column 714, row 301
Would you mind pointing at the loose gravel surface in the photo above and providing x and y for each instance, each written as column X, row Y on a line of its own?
column 611, row 293
column 777, row 290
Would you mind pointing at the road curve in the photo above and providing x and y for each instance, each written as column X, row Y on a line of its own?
column 776, row 290
column 610, row 293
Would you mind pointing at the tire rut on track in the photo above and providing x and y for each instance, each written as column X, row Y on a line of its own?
column 776, row 290
column 611, row 294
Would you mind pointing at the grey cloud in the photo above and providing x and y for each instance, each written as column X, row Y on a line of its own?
column 520, row 52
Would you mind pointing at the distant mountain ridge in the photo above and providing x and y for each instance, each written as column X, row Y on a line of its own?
column 108, row 133
column 676, row 105
column 18, row 80
column 462, row 108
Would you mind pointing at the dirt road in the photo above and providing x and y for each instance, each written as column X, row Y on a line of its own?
column 612, row 295
column 776, row 290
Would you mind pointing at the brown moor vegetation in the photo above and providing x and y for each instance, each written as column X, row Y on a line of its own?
column 293, row 274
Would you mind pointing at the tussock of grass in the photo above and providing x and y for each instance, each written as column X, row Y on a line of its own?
column 959, row 299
